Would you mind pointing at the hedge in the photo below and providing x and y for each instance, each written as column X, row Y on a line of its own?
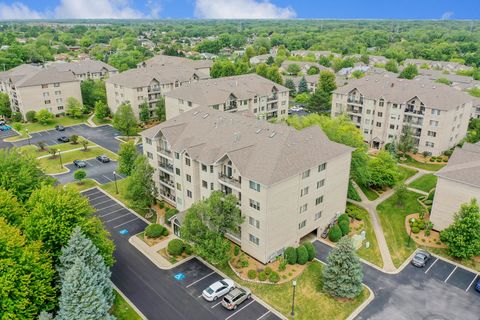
column 343, row 217
column 175, row 247
column 291, row 255
column 262, row 276
column 274, row 277
column 302, row 255
column 268, row 271
column 344, row 226
column 252, row 274
column 335, row 233
column 311, row 250
column 154, row 230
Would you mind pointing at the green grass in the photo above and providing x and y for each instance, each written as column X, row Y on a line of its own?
column 101, row 122
column 52, row 166
column 369, row 193
column 424, row 183
column 122, row 310
column 352, row 193
column 35, row 151
column 371, row 254
column 425, row 166
column 310, row 301
column 86, row 184
column 406, row 173
column 392, row 218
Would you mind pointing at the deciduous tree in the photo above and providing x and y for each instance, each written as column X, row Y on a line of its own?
column 101, row 110
column 124, row 120
column 144, row 112
column 74, row 107
column 44, row 116
column 5, row 109
column 141, row 189
column 160, row 109
column 127, row 155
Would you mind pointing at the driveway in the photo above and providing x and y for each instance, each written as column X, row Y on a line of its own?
column 5, row 135
column 155, row 292
column 439, row 291
column 96, row 170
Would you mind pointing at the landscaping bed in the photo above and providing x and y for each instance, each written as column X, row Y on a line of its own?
column 172, row 259
column 80, row 186
column 423, row 237
column 422, row 165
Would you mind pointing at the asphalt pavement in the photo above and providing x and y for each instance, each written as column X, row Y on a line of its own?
column 439, row 291
column 96, row 170
column 5, row 135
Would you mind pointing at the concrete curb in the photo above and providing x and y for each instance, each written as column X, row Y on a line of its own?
column 129, row 302
column 365, row 303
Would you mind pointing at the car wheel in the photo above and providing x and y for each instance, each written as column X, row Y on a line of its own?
column 231, row 288
column 235, row 307
column 215, row 298
column 249, row 296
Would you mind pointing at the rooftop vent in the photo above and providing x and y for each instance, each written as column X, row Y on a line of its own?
column 236, row 137
column 272, row 134
column 205, row 116
column 195, row 113
column 258, row 131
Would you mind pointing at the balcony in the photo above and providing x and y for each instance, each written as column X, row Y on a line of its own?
column 164, row 152
column 273, row 97
column 166, row 166
column 230, row 180
column 169, row 197
column 167, row 181
column 154, row 89
column 413, row 111
column 355, row 100
column 273, row 107
column 231, row 105
column 354, row 110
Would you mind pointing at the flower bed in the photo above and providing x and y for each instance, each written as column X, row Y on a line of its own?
column 432, row 240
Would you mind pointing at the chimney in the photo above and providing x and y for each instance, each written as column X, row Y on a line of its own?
column 392, row 85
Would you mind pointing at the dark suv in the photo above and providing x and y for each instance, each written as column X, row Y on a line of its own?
column 63, row 139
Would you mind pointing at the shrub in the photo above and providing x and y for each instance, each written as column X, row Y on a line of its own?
column 344, row 227
column 244, row 263
column 421, row 225
column 251, row 274
column 187, row 248
column 165, row 232
column 262, row 276
column 268, row 271
column 431, row 195
column 282, row 266
column 335, row 233
column 291, row 255
column 31, row 116
column 439, row 160
column 154, row 230
column 427, row 232
column 274, row 277
column 175, row 247
column 302, row 255
column 312, row 252
column 16, row 117
column 415, row 230
column 161, row 204
column 428, row 202
column 236, row 250
column 343, row 217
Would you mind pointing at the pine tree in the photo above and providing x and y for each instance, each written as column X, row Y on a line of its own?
column 45, row 316
column 80, row 247
column 291, row 85
column 343, row 275
column 302, row 86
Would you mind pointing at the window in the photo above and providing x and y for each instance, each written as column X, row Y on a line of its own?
column 369, row 111
column 179, row 187
column 211, row 169
column 253, row 239
column 394, row 106
column 318, row 215
column 302, row 224
column 189, row 193
column 435, row 112
column 60, row 107
column 57, row 93
column 320, row 183
column 59, row 100
column 56, row 84
column 432, row 134
column 322, row 167
column 392, row 126
column 433, row 123
column 380, row 114
column 211, row 185
column 44, row 86
column 187, row 161
column 429, row 144
column 304, row 192
column 149, row 155
column 254, row 185
column 148, row 141
column 379, row 124
column 254, row 222
column 177, row 155
column 189, row 178
column 303, row 208
column 45, row 94
column 204, row 168
column 177, row 171
column 318, row 200
column 139, row 89
column 305, row 174
column 381, row 102
column 254, row 204
column 47, row 101
column 205, row 184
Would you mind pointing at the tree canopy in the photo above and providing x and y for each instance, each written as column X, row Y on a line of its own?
column 124, row 120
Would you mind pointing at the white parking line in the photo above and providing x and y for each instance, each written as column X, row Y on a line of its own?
column 123, row 215
column 199, row 296
column 216, row 304
column 107, row 207
column 471, row 283
column 208, row 275
column 263, row 315
column 431, row 265
column 106, row 214
column 101, row 196
column 125, row 223
column 107, row 178
column 96, row 204
column 240, row 309
column 92, row 194
column 450, row 274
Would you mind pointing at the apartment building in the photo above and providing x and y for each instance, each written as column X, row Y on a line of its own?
column 458, row 183
column 86, row 69
column 439, row 65
column 316, row 54
column 304, row 66
column 259, row 96
column 136, row 86
column 288, row 183
column 200, row 66
column 382, row 106
column 33, row 88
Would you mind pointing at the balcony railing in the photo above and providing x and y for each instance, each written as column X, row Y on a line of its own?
column 354, row 110
column 412, row 111
column 168, row 196
column 229, row 180
column 166, row 166
column 232, row 105
column 167, row 181
column 165, row 152
column 273, row 97
column 353, row 100
column 154, row 89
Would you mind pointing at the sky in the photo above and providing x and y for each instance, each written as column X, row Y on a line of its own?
column 239, row 9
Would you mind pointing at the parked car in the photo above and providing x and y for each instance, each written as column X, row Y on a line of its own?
column 420, row 258
column 477, row 286
column 4, row 127
column 2, row 122
column 59, row 128
column 235, row 298
column 103, row 158
column 63, row 139
column 79, row 163
column 218, row 289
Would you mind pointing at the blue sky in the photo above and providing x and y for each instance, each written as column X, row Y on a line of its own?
column 337, row 9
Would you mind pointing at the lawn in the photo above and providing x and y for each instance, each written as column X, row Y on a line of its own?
column 310, row 301
column 425, row 166
column 406, row 173
column 371, row 254
column 122, row 310
column 101, row 122
column 35, row 151
column 86, row 184
column 425, row 183
column 392, row 218
column 352, row 193
column 369, row 193
column 472, row 263
column 52, row 166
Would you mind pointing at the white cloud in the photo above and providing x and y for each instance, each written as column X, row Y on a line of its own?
column 447, row 15
column 241, row 9
column 18, row 10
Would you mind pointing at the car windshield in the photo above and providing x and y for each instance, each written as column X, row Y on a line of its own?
column 420, row 257
column 209, row 290
column 223, row 283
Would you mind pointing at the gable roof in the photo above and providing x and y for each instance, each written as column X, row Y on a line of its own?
column 83, row 66
column 463, row 166
column 164, row 60
column 264, row 152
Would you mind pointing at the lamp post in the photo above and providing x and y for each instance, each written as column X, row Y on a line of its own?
column 115, row 179
column 28, row 135
column 410, row 234
column 294, row 285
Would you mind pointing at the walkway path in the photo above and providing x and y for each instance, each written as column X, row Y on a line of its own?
column 371, row 207
column 90, row 121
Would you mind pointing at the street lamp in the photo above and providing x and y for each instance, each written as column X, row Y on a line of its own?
column 28, row 135
column 294, row 284
column 115, row 179
column 410, row 234
column 60, row 155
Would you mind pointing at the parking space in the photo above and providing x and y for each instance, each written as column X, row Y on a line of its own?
column 452, row 275
column 96, row 170
column 7, row 134
column 194, row 276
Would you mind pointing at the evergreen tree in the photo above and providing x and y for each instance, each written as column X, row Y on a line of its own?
column 127, row 155
column 45, row 316
column 343, row 275
column 302, row 86
column 140, row 186
column 291, row 85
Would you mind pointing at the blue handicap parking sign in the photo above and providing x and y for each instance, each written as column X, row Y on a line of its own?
column 123, row 231
column 179, row 276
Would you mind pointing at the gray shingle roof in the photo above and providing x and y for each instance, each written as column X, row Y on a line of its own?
column 30, row 75
column 163, row 60
column 433, row 95
column 216, row 91
column 264, row 152
column 463, row 166
column 83, row 66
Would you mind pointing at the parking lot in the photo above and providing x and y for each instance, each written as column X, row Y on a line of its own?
column 5, row 135
column 96, row 170
column 162, row 294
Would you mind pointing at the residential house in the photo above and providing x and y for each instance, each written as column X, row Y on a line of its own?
column 316, row 54
column 261, row 58
column 312, row 81
column 438, row 65
column 304, row 66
